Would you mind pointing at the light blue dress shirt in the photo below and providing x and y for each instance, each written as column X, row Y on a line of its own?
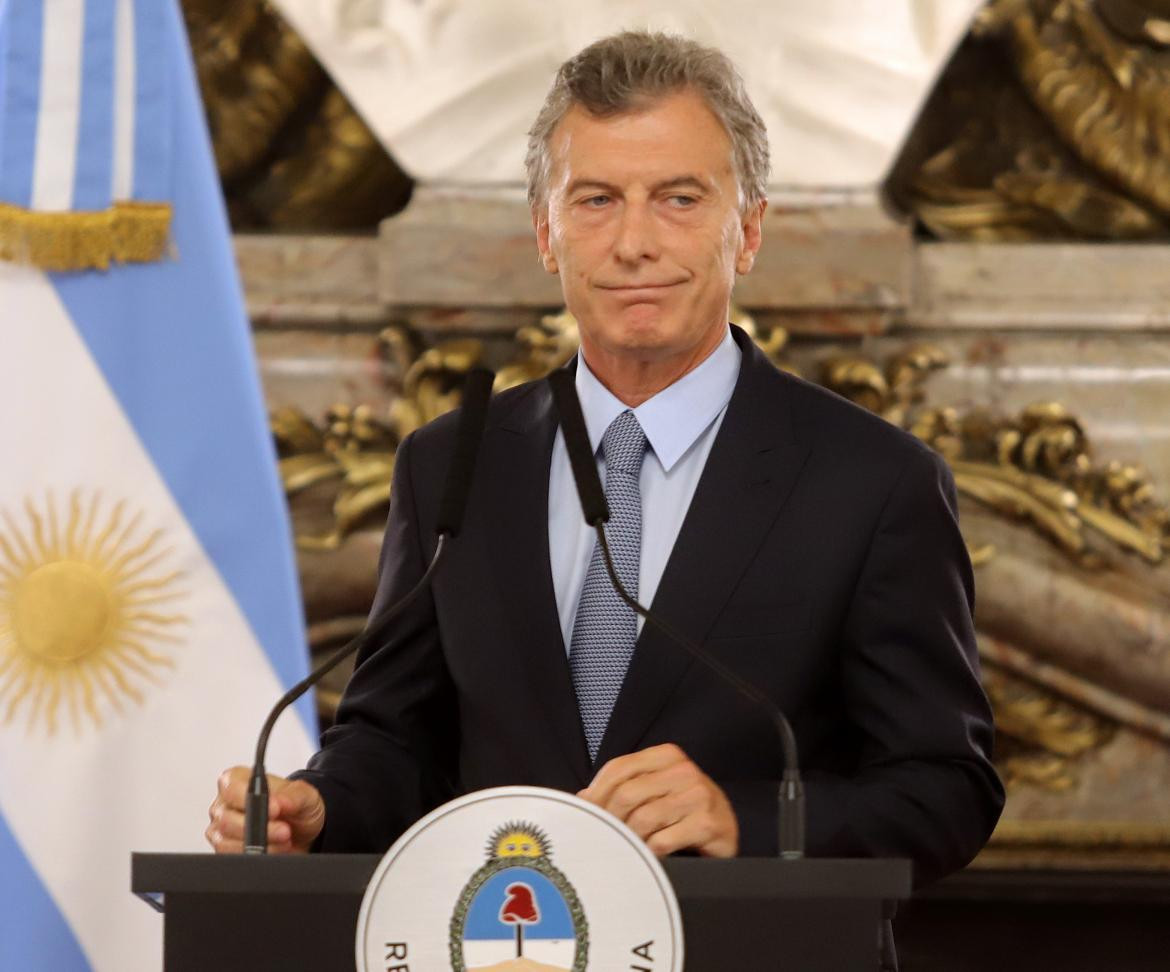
column 680, row 423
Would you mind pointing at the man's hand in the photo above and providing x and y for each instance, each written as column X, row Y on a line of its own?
column 667, row 801
column 296, row 814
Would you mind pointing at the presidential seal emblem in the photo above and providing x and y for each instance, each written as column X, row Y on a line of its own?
column 562, row 887
column 518, row 911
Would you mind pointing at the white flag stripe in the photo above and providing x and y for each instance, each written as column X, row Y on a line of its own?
column 60, row 106
column 77, row 813
column 124, row 79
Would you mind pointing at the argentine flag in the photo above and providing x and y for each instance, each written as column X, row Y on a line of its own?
column 149, row 612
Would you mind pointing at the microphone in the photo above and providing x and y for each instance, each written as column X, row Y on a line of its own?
column 477, row 390
column 596, row 512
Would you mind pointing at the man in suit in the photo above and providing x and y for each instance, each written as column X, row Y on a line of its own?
column 810, row 545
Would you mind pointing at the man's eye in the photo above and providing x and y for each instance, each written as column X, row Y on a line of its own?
column 682, row 202
column 596, row 202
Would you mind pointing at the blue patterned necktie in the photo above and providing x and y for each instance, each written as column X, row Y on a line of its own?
column 605, row 628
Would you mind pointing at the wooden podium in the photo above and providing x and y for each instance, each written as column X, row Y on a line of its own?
column 231, row 913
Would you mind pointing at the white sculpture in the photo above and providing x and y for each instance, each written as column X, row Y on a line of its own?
column 451, row 87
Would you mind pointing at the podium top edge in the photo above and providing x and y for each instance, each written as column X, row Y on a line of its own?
column 324, row 874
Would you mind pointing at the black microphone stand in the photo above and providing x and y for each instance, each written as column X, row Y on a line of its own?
column 477, row 391
column 791, row 789
column 596, row 512
column 256, row 801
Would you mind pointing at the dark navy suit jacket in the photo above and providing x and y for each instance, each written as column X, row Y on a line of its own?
column 820, row 558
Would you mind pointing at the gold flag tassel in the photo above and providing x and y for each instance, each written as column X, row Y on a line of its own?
column 127, row 232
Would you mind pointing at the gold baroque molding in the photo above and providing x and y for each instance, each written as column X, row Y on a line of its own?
column 1073, row 844
column 1074, row 833
column 1052, row 121
column 1036, row 466
column 292, row 152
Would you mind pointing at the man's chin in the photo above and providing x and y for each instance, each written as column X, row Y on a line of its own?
column 643, row 326
column 645, row 343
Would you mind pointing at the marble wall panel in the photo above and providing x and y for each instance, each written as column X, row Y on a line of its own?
column 312, row 370
column 322, row 282
column 1061, row 287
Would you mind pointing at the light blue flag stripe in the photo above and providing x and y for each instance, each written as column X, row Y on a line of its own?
column 92, row 180
column 45, row 941
column 22, row 94
column 173, row 342
column 154, row 102
column 3, row 84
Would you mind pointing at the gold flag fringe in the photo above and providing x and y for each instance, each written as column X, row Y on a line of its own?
column 127, row 232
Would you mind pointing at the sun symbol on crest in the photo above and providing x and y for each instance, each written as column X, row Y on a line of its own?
column 518, row 840
column 85, row 606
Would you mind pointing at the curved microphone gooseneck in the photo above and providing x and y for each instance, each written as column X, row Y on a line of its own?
column 477, row 389
column 596, row 512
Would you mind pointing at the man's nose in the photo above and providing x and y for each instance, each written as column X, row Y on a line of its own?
column 637, row 236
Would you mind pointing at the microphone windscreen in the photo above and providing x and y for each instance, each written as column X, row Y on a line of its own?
column 564, row 392
column 477, row 390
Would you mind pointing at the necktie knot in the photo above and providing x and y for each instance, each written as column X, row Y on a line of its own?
column 624, row 445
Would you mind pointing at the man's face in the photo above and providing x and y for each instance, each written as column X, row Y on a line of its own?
column 644, row 226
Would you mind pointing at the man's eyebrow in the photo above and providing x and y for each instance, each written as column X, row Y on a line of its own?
column 578, row 184
column 675, row 182
column 682, row 182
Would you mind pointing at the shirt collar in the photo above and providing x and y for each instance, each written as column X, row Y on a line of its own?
column 675, row 417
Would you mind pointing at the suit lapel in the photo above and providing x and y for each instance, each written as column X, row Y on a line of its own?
column 521, row 452
column 750, row 471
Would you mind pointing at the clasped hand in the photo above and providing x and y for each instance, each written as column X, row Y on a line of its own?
column 663, row 796
column 296, row 813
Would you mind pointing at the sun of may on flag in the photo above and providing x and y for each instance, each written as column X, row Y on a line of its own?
column 149, row 610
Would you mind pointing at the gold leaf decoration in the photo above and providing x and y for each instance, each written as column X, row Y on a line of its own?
column 1037, row 466
column 1040, row 736
column 292, row 152
column 1052, row 121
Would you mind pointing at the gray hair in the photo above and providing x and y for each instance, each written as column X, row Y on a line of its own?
column 629, row 71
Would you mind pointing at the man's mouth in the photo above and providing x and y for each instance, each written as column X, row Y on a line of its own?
column 634, row 288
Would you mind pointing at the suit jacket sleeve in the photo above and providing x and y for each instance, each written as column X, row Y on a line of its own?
column 390, row 757
column 925, row 787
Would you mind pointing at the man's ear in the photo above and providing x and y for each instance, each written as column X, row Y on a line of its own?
column 752, row 227
column 540, row 225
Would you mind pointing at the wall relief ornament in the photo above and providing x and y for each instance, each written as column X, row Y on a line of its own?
column 292, row 152
column 1052, row 121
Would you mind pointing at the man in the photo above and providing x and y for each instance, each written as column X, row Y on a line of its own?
column 809, row 544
